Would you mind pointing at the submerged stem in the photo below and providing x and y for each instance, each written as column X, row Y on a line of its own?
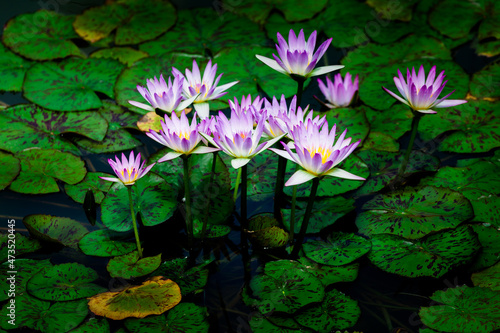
column 414, row 130
column 305, row 220
column 212, row 174
column 278, row 190
column 134, row 222
column 243, row 197
column 187, row 195
column 292, row 210
column 236, row 186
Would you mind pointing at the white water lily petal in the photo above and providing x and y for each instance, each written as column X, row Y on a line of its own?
column 271, row 63
column 239, row 162
column 202, row 109
column 299, row 177
column 184, row 104
column 336, row 172
column 325, row 70
column 169, row 156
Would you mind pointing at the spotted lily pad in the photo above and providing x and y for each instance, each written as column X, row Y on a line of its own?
column 71, row 84
column 43, row 35
column 106, row 243
column 131, row 265
column 484, row 84
column 203, row 30
column 125, row 55
column 488, row 278
column 28, row 125
column 9, row 169
column 414, row 212
column 61, row 230
column 189, row 279
column 91, row 182
column 391, row 11
column 489, row 236
column 25, row 269
column 135, row 21
column 185, row 317
column 12, row 70
column 336, row 311
column 94, row 325
column 41, row 316
column 22, row 246
column 155, row 295
column 276, row 323
column 463, row 309
column 353, row 120
column 153, row 199
column 339, row 249
column 331, row 274
column 324, row 213
column 286, row 287
column 264, row 231
column 212, row 230
column 432, row 256
column 65, row 282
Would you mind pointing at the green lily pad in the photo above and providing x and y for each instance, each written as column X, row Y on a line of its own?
column 414, row 212
column 463, row 310
column 71, row 84
column 331, row 274
column 185, row 317
column 264, row 231
column 380, row 141
column 275, row 323
column 212, row 230
column 41, row 316
column 41, row 167
column 12, row 70
column 130, row 266
column 9, row 169
column 125, row 55
column 22, row 244
column 61, row 230
column 484, row 84
column 28, row 125
column 324, row 213
column 135, row 21
column 330, row 186
column 140, row 71
column 298, row 10
column 43, row 35
column 65, row 282
column 353, row 120
column 398, row 125
column 25, row 269
column 153, row 199
column 384, row 167
column 203, row 29
column 478, row 182
column 336, row 311
column 277, row 23
column 391, row 11
column 488, row 278
column 240, row 63
column 94, row 325
column 339, row 249
column 432, row 256
column 489, row 237
column 189, row 279
column 91, row 182
column 286, row 287
column 488, row 49
column 106, row 243
column 256, row 10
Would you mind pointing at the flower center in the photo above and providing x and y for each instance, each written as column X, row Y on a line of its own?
column 129, row 172
column 184, row 135
column 324, row 152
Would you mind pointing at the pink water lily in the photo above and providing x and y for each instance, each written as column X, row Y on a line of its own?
column 181, row 136
column 317, row 153
column 421, row 93
column 128, row 170
column 205, row 89
column 339, row 93
column 162, row 95
column 298, row 56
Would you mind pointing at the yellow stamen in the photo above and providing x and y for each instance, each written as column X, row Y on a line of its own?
column 324, row 152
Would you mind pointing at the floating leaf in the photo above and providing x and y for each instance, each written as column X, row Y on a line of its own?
column 130, row 265
column 414, row 212
column 134, row 21
column 22, row 245
column 336, row 311
column 331, row 274
column 106, row 243
column 189, row 279
column 391, row 11
column 185, row 317
column 9, row 168
column 12, row 70
column 339, row 249
column 285, row 287
column 203, row 30
column 25, row 269
column 125, row 55
column 324, row 213
column 433, row 256
column 28, row 125
column 61, row 230
column 264, row 231
column 488, row 49
column 71, row 84
column 299, row 10
column 212, row 231
column 275, row 323
column 489, row 237
column 43, row 35
column 155, row 296
column 353, row 120
column 41, row 167
column 93, row 325
column 153, row 199
column 463, row 310
column 91, row 182
column 489, row 278
column 65, row 282
column 380, row 141
column 484, row 84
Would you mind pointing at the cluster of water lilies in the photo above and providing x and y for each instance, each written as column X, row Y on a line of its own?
column 254, row 126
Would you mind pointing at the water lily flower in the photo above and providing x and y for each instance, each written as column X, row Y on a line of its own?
column 317, row 153
column 204, row 88
column 164, row 96
column 341, row 92
column 422, row 94
column 247, row 105
column 298, row 57
column 128, row 170
column 238, row 138
column 180, row 136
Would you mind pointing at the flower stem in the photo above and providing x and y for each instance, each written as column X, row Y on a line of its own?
column 305, row 220
column 292, row 210
column 278, row 190
column 243, row 197
column 134, row 222
column 236, row 186
column 414, row 130
column 300, row 89
column 210, row 183
column 187, row 195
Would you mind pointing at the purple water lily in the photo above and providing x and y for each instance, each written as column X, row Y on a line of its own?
column 128, row 170
column 339, row 93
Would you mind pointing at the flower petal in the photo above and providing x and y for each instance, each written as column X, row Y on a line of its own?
column 169, row 156
column 239, row 162
column 299, row 177
column 325, row 69
column 272, row 63
column 336, row 172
